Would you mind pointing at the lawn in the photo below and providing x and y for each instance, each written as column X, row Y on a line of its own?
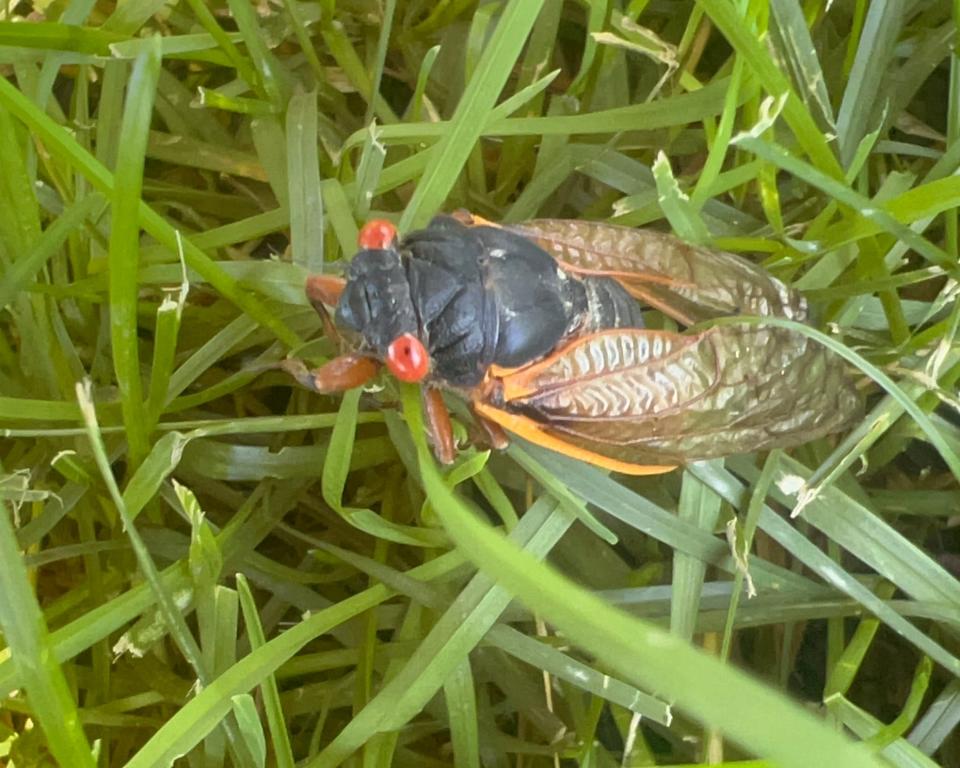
column 202, row 562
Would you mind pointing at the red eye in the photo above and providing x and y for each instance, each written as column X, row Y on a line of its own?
column 377, row 234
column 407, row 359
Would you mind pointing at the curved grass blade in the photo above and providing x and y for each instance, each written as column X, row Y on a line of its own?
column 749, row 713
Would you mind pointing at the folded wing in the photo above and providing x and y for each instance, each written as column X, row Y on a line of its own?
column 685, row 282
column 650, row 397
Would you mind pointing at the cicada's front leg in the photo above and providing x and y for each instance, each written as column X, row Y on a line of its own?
column 324, row 291
column 338, row 375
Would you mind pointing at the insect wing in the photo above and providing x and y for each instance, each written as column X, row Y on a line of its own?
column 685, row 282
column 651, row 397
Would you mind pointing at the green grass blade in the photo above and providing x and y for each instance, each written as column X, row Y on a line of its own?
column 460, row 696
column 698, row 506
column 28, row 640
column 125, row 246
column 303, row 180
column 459, row 630
column 732, row 491
column 875, row 52
column 478, row 99
column 800, row 53
column 269, row 70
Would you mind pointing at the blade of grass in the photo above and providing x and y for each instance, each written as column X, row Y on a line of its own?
column 340, row 215
column 57, row 36
column 718, row 149
column 209, row 22
column 639, row 512
column 368, row 172
column 237, row 539
column 900, row 753
column 939, row 721
column 28, row 641
column 541, row 656
column 843, row 672
column 751, row 520
column 700, row 507
column 16, row 279
column 801, row 55
column 303, row 182
column 271, row 693
column 597, row 18
column 724, row 484
column 20, row 217
column 868, row 209
column 460, row 696
column 272, row 74
column 342, row 50
column 124, row 253
column 164, row 351
column 533, row 652
column 386, row 26
column 478, row 99
column 171, row 613
column 173, row 619
column 873, row 540
column 336, row 467
column 875, row 52
column 672, row 111
column 683, row 217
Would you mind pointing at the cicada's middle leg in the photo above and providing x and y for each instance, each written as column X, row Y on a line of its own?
column 439, row 427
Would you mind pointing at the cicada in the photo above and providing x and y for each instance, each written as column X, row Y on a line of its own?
column 540, row 327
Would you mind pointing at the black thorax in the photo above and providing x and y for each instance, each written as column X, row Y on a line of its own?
column 475, row 297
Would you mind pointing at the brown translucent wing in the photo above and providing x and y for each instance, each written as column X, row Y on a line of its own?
column 653, row 397
column 685, row 282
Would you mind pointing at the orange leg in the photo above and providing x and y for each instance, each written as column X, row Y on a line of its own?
column 341, row 373
column 439, row 427
column 324, row 291
column 495, row 434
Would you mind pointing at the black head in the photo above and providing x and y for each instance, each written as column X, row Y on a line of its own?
column 376, row 300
